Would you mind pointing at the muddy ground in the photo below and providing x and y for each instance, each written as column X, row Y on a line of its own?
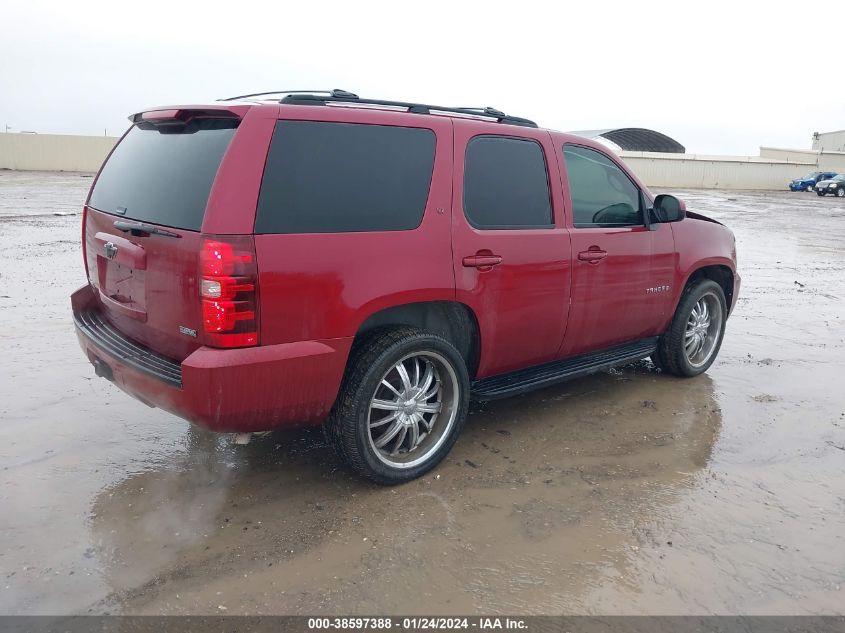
column 626, row 492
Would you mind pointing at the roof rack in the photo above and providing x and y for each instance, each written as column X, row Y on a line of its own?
column 343, row 97
column 277, row 92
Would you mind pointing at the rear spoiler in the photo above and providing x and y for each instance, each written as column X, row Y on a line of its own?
column 179, row 115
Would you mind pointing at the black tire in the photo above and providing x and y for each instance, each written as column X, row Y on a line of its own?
column 840, row 192
column 671, row 355
column 348, row 425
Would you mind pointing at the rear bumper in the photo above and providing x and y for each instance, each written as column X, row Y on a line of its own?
column 236, row 390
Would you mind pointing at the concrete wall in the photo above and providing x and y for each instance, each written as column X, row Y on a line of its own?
column 53, row 152
column 796, row 155
column 691, row 171
column 823, row 160
column 773, row 169
column 829, row 141
column 832, row 161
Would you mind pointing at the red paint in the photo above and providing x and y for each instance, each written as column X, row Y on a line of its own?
column 537, row 295
column 169, row 283
column 522, row 303
column 325, row 285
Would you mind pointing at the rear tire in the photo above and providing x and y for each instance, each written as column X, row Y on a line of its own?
column 695, row 336
column 402, row 405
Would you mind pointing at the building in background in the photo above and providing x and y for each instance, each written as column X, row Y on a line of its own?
column 657, row 159
column 634, row 139
column 829, row 141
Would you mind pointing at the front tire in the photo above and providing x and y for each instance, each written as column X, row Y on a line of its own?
column 402, row 405
column 840, row 193
column 695, row 336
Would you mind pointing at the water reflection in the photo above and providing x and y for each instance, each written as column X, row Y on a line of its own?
column 543, row 496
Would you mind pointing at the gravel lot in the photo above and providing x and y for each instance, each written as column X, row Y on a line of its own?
column 624, row 493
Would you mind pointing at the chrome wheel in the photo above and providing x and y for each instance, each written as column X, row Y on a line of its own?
column 704, row 326
column 413, row 409
column 840, row 192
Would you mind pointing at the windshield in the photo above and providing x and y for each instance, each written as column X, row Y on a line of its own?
column 164, row 175
column 839, row 177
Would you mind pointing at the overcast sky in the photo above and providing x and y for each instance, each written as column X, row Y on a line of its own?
column 720, row 77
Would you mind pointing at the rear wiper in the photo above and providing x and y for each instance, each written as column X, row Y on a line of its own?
column 139, row 228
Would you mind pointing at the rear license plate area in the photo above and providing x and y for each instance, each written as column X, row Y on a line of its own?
column 102, row 369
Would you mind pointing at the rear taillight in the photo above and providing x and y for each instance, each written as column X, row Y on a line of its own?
column 229, row 291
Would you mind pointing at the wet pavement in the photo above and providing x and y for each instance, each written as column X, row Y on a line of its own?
column 628, row 492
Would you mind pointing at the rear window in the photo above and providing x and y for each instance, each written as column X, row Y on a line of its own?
column 506, row 185
column 345, row 177
column 163, row 175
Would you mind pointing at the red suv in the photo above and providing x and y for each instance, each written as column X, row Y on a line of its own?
column 373, row 266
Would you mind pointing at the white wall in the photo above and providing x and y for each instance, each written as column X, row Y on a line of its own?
column 830, row 141
column 53, row 152
column 823, row 160
column 691, row 171
column 773, row 169
column 796, row 155
column 832, row 161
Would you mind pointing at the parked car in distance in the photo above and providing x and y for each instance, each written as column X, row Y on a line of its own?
column 371, row 266
column 808, row 182
column 834, row 186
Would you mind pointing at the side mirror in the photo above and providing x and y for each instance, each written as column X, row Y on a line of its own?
column 668, row 208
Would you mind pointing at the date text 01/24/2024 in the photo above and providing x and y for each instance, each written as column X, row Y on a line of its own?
column 416, row 623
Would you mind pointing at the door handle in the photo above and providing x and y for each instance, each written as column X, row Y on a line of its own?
column 592, row 256
column 482, row 261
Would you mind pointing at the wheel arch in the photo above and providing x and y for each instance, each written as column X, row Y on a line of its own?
column 720, row 273
column 454, row 321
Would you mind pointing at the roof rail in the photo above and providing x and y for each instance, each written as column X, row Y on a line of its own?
column 277, row 92
column 322, row 97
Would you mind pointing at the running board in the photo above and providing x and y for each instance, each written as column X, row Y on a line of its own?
column 523, row 380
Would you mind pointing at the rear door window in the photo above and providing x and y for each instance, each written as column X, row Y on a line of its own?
column 163, row 175
column 324, row 177
column 506, row 184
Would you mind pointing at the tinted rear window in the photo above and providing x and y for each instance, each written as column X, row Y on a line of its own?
column 506, row 184
column 164, row 176
column 343, row 177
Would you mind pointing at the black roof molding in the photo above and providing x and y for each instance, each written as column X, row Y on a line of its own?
column 275, row 92
column 324, row 97
column 342, row 96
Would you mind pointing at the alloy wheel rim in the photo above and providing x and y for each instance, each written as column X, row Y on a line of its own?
column 413, row 409
column 704, row 326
